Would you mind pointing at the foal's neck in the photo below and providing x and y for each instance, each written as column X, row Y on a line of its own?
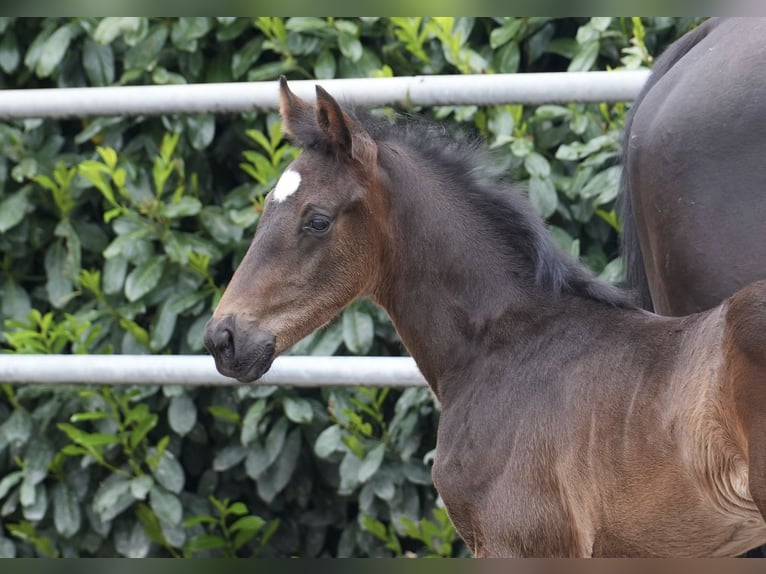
column 445, row 276
column 457, row 271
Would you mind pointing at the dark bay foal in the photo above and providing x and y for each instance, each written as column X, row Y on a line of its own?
column 572, row 423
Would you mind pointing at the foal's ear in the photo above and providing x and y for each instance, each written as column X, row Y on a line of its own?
column 298, row 120
column 347, row 136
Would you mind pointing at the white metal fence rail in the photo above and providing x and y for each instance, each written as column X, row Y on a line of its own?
column 199, row 370
column 254, row 96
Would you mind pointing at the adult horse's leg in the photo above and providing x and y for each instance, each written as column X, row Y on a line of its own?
column 745, row 347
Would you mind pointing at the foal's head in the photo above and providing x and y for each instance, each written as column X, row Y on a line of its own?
column 318, row 245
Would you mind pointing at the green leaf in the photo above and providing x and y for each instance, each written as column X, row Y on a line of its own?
column 371, row 462
column 109, row 28
column 505, row 33
column 14, row 300
column 251, row 523
column 260, row 459
column 358, row 330
column 188, row 29
column 10, row 55
column 246, row 57
column 323, row 342
column 184, row 207
column 613, row 271
column 163, row 326
column 229, row 457
column 13, row 209
column 9, row 481
column 146, row 424
column 166, row 505
column 91, row 416
column 169, row 472
column 112, row 497
column 98, row 62
column 543, row 196
column 161, row 75
column 141, row 56
column 298, row 410
column 275, row 441
column 39, row 454
column 34, row 51
column 224, row 413
column 199, row 519
column 600, row 23
column 508, row 58
column 306, row 24
column 130, row 540
column 182, row 414
column 201, row 130
column 417, row 473
column 36, row 506
column 324, row 66
column 361, row 68
column 204, row 542
column 375, row 527
column 350, row 46
column 7, row 548
column 564, row 240
column 136, row 331
column 251, row 422
column 219, row 226
column 140, row 486
column 113, row 277
column 87, row 439
column 349, row 473
column 537, row 166
column 182, row 302
column 144, row 278
column 585, row 57
column 329, row 441
column 605, row 185
column 278, row 475
column 67, row 516
column 53, row 51
column 17, row 429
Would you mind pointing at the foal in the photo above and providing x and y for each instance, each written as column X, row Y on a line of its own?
column 572, row 423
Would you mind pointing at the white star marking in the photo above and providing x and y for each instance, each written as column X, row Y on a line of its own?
column 287, row 185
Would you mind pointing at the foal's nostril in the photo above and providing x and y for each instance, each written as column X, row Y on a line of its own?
column 219, row 339
column 223, row 341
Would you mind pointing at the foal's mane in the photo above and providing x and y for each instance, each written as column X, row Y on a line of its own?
column 478, row 183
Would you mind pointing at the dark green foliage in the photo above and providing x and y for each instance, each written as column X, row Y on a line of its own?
column 119, row 234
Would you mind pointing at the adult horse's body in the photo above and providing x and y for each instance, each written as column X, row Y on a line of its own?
column 694, row 181
column 572, row 423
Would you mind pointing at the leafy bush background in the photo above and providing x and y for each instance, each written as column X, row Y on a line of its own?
column 119, row 234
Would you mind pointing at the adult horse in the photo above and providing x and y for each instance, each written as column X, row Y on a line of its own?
column 572, row 423
column 693, row 199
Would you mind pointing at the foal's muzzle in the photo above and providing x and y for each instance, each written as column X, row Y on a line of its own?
column 240, row 349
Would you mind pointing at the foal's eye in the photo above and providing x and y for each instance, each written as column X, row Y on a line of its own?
column 317, row 224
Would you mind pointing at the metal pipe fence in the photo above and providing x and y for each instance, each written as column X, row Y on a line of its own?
column 199, row 370
column 263, row 96
column 488, row 89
